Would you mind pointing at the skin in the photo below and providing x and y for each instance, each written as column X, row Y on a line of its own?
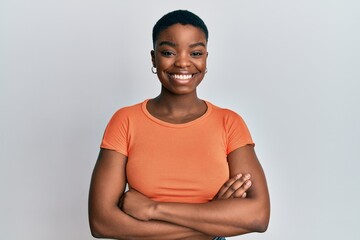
column 242, row 203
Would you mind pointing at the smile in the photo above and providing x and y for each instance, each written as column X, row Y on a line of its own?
column 181, row 76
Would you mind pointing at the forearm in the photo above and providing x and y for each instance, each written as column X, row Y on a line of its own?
column 219, row 218
column 118, row 225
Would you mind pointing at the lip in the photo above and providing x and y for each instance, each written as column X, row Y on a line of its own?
column 181, row 77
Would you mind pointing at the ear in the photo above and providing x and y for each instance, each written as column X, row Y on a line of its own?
column 153, row 58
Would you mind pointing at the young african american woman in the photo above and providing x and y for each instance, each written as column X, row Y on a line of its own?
column 190, row 166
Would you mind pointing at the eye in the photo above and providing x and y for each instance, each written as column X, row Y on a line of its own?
column 167, row 53
column 196, row 54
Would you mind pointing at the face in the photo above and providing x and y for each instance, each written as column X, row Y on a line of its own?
column 180, row 58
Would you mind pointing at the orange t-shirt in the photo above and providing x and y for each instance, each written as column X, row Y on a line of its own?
column 176, row 162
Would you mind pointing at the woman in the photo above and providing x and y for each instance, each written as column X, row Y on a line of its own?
column 190, row 165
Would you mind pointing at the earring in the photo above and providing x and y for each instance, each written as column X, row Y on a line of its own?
column 153, row 70
column 205, row 70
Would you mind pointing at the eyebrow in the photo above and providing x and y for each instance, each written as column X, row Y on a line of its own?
column 172, row 44
column 198, row 44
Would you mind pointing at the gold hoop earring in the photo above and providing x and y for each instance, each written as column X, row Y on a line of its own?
column 153, row 70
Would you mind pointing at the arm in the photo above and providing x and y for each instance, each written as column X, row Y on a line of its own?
column 226, row 217
column 108, row 221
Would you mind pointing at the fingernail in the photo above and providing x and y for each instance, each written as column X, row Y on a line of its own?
column 248, row 183
column 238, row 176
column 247, row 176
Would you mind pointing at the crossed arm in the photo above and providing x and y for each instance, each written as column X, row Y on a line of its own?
column 138, row 217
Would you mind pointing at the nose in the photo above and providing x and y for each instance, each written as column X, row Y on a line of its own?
column 182, row 60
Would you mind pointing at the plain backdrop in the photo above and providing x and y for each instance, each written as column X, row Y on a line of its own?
column 290, row 68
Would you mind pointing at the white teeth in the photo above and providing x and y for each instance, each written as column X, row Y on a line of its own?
column 182, row 76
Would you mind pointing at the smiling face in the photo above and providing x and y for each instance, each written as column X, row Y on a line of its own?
column 180, row 58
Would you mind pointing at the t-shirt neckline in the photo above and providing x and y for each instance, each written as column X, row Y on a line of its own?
column 176, row 125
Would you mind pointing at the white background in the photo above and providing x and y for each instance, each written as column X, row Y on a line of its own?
column 290, row 68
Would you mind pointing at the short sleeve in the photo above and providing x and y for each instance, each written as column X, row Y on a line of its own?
column 116, row 133
column 238, row 134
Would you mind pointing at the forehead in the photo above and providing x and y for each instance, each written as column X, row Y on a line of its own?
column 179, row 33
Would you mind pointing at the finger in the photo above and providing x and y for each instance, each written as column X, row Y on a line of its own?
column 242, row 190
column 236, row 186
column 227, row 185
column 232, row 186
column 244, row 195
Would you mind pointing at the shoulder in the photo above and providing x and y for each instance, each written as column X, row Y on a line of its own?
column 127, row 114
column 128, row 110
column 237, row 132
column 230, row 119
column 224, row 113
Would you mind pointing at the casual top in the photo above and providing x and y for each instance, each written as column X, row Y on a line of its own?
column 169, row 162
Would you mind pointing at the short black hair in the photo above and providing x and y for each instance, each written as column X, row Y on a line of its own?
column 183, row 17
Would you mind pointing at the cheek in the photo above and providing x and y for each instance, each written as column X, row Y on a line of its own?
column 164, row 63
column 201, row 64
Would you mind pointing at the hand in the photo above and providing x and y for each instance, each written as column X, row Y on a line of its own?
column 235, row 187
column 137, row 205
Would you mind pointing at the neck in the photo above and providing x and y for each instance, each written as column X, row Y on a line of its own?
column 175, row 108
column 178, row 103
